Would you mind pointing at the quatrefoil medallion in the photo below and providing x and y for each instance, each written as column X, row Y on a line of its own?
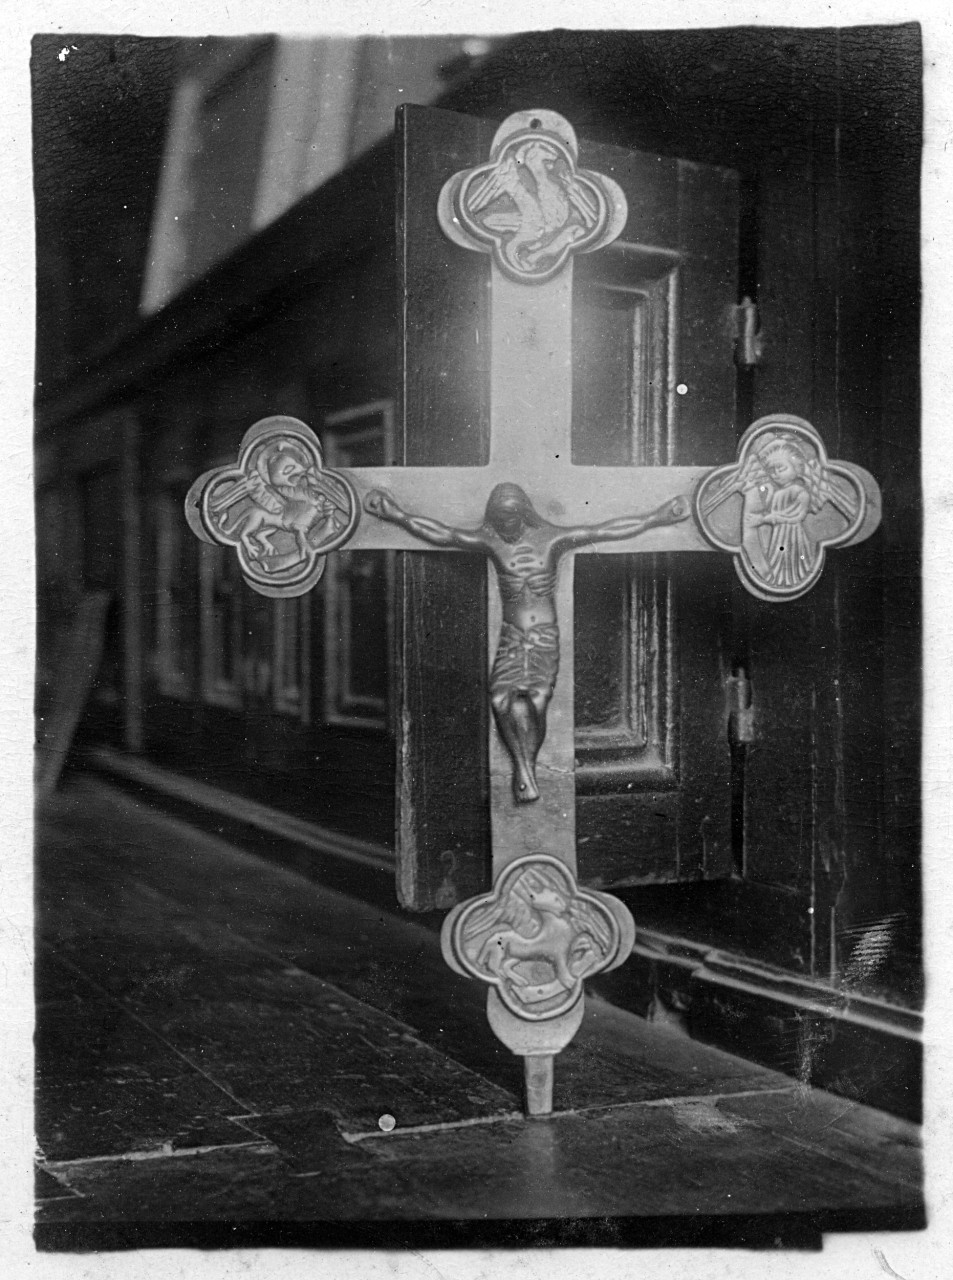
column 531, row 206
column 782, row 506
column 536, row 936
column 279, row 508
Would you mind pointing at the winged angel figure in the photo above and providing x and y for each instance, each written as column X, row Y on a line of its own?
column 288, row 494
column 781, row 483
column 552, row 208
column 539, row 919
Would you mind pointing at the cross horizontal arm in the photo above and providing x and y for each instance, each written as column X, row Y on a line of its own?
column 562, row 493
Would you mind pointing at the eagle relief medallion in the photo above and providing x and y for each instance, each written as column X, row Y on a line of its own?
column 531, row 206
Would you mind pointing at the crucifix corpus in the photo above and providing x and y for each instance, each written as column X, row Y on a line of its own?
column 537, row 934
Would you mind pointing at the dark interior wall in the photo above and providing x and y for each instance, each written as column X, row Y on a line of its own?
column 321, row 351
column 99, row 114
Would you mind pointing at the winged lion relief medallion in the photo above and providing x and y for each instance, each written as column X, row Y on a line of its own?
column 280, row 508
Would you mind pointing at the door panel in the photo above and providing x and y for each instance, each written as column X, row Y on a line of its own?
column 625, row 728
column 653, row 384
column 442, row 776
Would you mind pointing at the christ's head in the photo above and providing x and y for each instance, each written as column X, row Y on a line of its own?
column 509, row 510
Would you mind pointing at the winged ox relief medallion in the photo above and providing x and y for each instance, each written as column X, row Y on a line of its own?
column 280, row 508
column 530, row 205
column 783, row 505
column 537, row 936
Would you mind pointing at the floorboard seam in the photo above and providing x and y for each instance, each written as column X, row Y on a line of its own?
column 509, row 1116
column 444, row 1126
column 868, row 1170
column 166, row 1152
column 678, row 1099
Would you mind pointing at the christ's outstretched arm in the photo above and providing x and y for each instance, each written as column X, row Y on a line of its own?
column 379, row 503
column 671, row 512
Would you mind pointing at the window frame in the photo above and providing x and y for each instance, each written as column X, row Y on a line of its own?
column 169, row 525
column 341, row 707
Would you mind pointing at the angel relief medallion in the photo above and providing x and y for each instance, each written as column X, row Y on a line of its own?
column 530, row 206
column 279, row 508
column 780, row 507
column 537, row 936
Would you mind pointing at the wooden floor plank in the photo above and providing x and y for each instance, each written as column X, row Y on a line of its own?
column 262, row 917
column 639, row 1160
column 219, row 1038
column 867, row 1142
column 232, row 1186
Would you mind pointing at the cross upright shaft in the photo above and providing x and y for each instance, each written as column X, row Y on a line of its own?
column 530, row 591
column 531, row 404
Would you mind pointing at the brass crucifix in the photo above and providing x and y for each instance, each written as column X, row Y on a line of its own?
column 537, row 934
column 525, row 550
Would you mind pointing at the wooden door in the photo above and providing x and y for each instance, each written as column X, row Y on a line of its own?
column 653, row 384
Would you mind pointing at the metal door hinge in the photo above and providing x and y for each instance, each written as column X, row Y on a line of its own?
column 740, row 710
column 749, row 343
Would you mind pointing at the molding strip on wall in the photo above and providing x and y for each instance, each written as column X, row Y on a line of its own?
column 237, row 808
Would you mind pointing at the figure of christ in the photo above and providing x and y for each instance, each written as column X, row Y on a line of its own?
column 525, row 549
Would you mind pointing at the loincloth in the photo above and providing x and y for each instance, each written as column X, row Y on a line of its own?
column 526, row 661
